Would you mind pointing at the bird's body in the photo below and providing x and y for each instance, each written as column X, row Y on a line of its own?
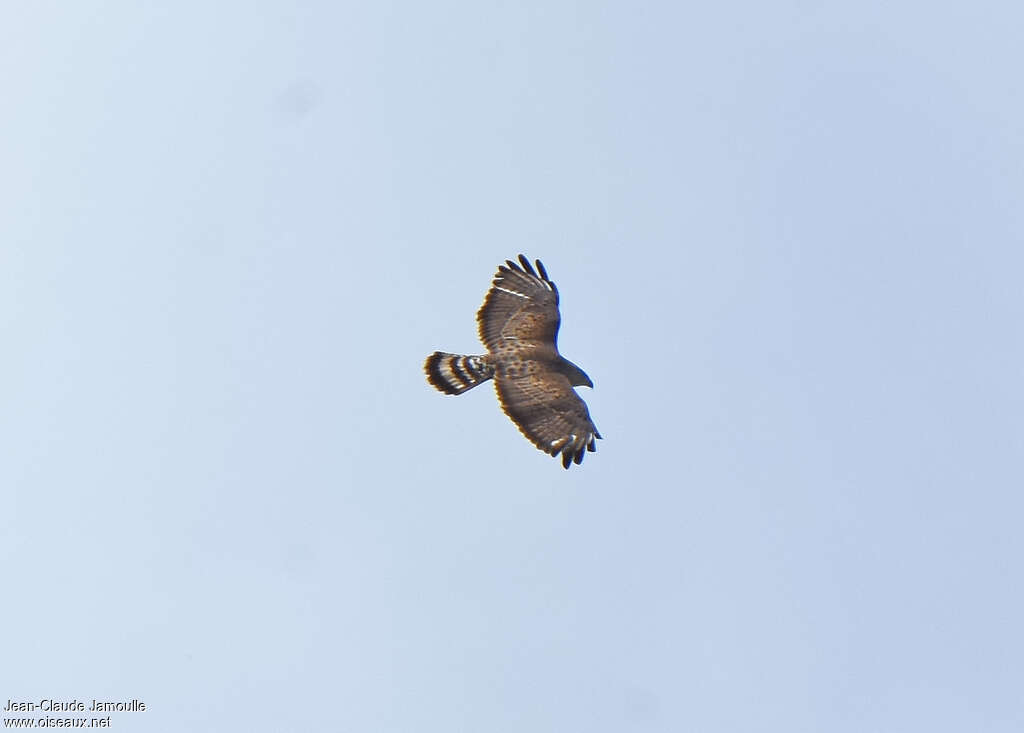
column 518, row 323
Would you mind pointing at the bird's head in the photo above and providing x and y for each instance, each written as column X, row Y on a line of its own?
column 577, row 377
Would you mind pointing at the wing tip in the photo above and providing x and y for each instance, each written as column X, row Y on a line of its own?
column 527, row 267
column 572, row 451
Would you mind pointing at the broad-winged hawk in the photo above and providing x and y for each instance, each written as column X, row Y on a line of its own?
column 518, row 323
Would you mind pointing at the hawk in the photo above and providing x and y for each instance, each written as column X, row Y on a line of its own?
column 518, row 323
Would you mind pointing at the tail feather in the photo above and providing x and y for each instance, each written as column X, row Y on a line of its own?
column 454, row 373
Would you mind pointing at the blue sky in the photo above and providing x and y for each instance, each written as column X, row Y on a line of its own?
column 788, row 239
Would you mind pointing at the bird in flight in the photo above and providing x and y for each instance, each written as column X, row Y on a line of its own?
column 518, row 323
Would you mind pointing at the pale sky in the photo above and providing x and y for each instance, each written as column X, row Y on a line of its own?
column 788, row 238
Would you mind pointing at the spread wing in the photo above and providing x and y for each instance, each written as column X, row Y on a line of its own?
column 520, row 311
column 548, row 412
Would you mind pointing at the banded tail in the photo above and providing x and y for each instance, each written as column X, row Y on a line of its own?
column 454, row 373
